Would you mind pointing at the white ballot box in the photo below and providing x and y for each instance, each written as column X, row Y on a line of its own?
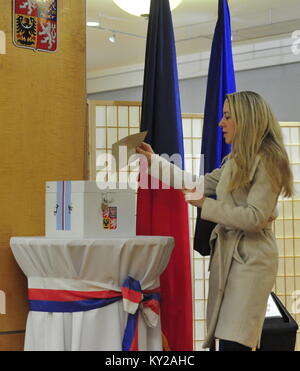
column 89, row 209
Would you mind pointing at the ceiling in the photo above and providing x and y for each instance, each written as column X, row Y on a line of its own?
column 194, row 22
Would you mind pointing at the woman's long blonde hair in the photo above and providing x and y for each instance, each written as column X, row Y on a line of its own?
column 257, row 131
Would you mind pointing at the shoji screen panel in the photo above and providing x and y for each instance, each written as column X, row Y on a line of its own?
column 192, row 132
column 110, row 121
column 287, row 231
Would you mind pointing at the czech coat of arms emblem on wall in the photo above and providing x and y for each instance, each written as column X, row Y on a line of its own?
column 35, row 24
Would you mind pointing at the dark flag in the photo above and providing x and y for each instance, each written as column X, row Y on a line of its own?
column 221, row 81
column 164, row 212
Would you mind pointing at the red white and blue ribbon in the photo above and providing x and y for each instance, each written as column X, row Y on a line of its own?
column 67, row 301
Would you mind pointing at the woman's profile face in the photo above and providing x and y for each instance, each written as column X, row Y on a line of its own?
column 227, row 124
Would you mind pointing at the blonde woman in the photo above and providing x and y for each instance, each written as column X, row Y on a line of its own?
column 244, row 254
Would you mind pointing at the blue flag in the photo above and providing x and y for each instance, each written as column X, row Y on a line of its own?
column 220, row 81
column 163, row 212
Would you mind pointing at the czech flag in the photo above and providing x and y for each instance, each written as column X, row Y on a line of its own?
column 163, row 212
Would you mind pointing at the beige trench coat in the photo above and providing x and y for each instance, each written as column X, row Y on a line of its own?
column 244, row 258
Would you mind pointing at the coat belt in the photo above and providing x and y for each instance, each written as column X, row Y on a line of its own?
column 269, row 226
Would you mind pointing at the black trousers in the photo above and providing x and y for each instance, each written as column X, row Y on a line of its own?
column 231, row 346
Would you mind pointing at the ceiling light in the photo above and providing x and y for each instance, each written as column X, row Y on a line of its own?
column 93, row 24
column 112, row 38
column 140, row 7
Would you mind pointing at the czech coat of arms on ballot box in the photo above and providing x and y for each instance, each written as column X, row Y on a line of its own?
column 35, row 24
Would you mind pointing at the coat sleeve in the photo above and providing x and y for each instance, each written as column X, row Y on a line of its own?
column 173, row 176
column 181, row 178
column 254, row 216
column 211, row 181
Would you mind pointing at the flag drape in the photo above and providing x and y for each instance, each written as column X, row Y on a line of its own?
column 160, row 211
column 220, row 81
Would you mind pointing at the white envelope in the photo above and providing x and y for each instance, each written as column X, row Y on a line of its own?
column 124, row 149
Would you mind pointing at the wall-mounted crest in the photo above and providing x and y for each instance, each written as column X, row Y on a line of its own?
column 35, row 24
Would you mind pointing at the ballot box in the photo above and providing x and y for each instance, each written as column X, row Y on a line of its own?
column 90, row 209
column 280, row 329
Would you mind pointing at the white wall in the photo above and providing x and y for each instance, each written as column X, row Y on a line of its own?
column 279, row 85
column 271, row 68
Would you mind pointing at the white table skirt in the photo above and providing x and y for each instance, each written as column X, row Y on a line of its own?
column 89, row 265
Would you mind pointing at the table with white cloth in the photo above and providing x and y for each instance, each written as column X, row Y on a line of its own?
column 70, row 267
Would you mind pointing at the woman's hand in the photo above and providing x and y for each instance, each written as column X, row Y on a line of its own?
column 146, row 150
column 194, row 197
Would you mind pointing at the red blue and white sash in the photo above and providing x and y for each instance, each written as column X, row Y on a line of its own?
column 67, row 301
